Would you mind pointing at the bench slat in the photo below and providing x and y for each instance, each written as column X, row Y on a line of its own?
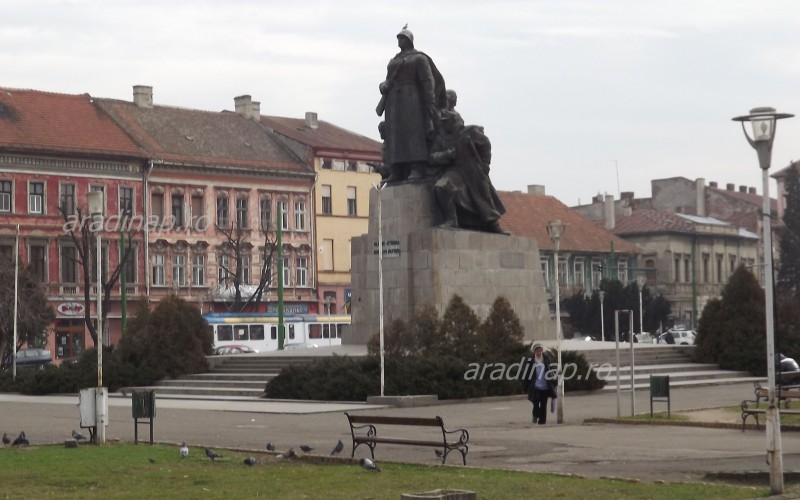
column 438, row 444
column 413, row 421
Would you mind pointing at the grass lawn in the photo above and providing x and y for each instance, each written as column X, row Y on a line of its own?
column 143, row 471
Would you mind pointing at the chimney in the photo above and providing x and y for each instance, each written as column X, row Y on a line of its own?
column 730, row 187
column 627, row 196
column 311, row 120
column 143, row 96
column 611, row 223
column 700, row 190
column 713, row 184
column 751, row 190
column 742, row 189
column 248, row 108
column 536, row 189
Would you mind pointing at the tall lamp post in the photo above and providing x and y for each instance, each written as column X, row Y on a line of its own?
column 555, row 229
column 97, row 210
column 602, row 295
column 641, row 280
column 379, row 190
column 764, row 122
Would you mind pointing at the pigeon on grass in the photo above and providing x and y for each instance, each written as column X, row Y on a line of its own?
column 77, row 436
column 287, row 454
column 270, row 447
column 6, row 439
column 213, row 455
column 21, row 440
column 305, row 448
column 338, row 448
column 184, row 450
column 250, row 461
column 369, row 465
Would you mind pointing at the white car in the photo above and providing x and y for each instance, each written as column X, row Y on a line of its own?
column 680, row 337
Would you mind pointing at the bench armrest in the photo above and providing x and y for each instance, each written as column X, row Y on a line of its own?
column 463, row 435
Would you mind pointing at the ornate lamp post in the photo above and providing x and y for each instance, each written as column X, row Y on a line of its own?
column 764, row 121
column 555, row 229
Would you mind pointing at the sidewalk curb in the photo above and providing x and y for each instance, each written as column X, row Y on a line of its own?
column 684, row 423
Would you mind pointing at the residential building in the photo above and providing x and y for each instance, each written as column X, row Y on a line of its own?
column 54, row 150
column 587, row 252
column 343, row 163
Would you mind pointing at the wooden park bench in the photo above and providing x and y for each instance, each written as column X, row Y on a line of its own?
column 754, row 407
column 364, row 431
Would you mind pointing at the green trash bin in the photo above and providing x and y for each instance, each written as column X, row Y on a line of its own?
column 143, row 407
column 659, row 392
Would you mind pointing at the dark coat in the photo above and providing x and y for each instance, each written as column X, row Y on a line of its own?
column 530, row 381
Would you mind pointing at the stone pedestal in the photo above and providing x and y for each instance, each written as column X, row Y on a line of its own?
column 423, row 264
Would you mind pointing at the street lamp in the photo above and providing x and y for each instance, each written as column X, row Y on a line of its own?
column 764, row 121
column 97, row 210
column 555, row 229
column 641, row 280
column 602, row 295
column 379, row 190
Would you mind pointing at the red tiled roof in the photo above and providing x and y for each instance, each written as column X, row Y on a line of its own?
column 46, row 122
column 195, row 137
column 652, row 221
column 325, row 136
column 528, row 215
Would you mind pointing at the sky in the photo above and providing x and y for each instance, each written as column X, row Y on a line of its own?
column 584, row 97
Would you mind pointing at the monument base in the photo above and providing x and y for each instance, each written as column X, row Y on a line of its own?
column 424, row 265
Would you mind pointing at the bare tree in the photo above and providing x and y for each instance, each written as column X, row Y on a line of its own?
column 81, row 230
column 237, row 248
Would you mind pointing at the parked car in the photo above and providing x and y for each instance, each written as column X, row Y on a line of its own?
column 679, row 337
column 33, row 357
column 234, row 349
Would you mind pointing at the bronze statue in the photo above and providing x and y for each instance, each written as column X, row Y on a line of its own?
column 411, row 97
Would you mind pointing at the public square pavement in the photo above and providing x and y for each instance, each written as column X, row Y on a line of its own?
column 501, row 433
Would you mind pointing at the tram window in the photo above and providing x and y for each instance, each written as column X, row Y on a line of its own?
column 256, row 332
column 224, row 332
column 273, row 332
column 291, row 332
column 326, row 331
column 241, row 332
column 339, row 329
column 314, row 331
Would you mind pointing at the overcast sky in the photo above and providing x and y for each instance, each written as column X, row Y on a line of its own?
column 581, row 96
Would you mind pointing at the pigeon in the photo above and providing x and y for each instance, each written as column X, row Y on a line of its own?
column 270, row 447
column 184, row 450
column 338, row 448
column 213, row 455
column 438, row 453
column 21, row 440
column 152, row 460
column 6, row 439
column 251, row 461
column 369, row 465
column 77, row 436
column 287, row 454
column 305, row 448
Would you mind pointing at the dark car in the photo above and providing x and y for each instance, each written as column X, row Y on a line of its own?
column 33, row 357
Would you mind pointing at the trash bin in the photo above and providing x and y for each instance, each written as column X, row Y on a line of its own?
column 143, row 406
column 659, row 392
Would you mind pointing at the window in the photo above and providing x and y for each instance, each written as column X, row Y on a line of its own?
column 732, row 259
column 597, row 273
column 179, row 269
column 677, row 268
column 330, row 302
column 177, row 210
column 126, row 201
column 224, row 332
column 300, row 216
column 67, row 199
column 687, row 272
column 37, row 261
column 326, row 163
column 352, row 208
column 265, row 208
column 338, row 165
column 706, row 262
column 719, row 267
column 240, row 332
column 352, row 166
column 545, row 271
column 157, row 207
column 256, row 332
column 563, row 275
column 159, row 276
column 327, row 208
column 198, row 211
column 223, row 268
column 130, row 264
column 199, row 270
column 6, row 253
column 245, row 274
column 287, row 271
column 69, row 265
column 5, row 196
column 284, row 208
column 222, row 211
column 241, row 213
column 36, row 198
column 301, row 271
column 577, row 270
column 327, row 255
column 622, row 266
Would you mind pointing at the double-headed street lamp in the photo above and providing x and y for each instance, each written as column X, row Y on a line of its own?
column 764, row 121
column 555, row 229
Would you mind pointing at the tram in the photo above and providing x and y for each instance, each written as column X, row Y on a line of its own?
column 259, row 331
